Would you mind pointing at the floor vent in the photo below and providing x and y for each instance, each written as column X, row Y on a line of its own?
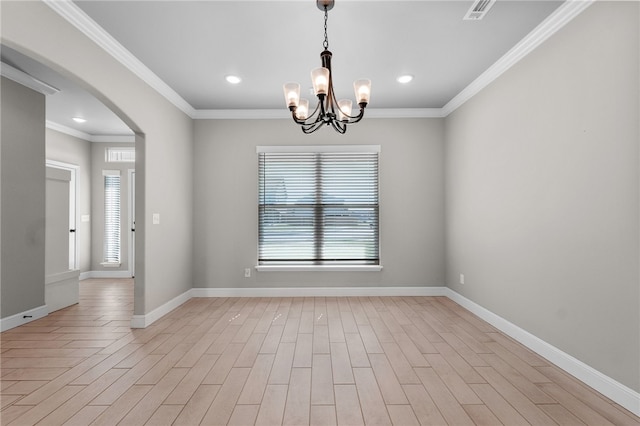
column 478, row 9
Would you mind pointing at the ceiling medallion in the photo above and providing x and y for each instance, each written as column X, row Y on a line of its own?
column 328, row 111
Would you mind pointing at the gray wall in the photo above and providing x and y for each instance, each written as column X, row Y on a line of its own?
column 411, row 200
column 164, row 144
column 22, row 178
column 98, row 164
column 542, row 183
column 76, row 151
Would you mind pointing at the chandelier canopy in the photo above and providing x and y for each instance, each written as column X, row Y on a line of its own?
column 328, row 111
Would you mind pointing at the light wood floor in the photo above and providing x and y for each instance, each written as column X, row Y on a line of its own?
column 271, row 361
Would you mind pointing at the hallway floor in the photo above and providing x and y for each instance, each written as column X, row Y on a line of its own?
column 271, row 361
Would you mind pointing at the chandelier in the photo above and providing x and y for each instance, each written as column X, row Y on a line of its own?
column 327, row 111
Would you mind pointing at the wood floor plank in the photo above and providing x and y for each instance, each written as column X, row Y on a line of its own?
column 116, row 411
column 144, row 409
column 113, row 392
column 165, row 415
column 448, row 405
column 597, row 402
column 528, row 388
column 272, row 340
column 41, row 410
column 390, row 387
column 320, row 339
column 481, row 415
column 357, row 353
column 519, row 401
column 244, row 415
column 222, row 406
column 323, row 415
column 348, row 405
column 223, row 365
column 374, row 410
column 561, row 415
column 576, row 407
column 498, row 405
column 191, row 381
column 76, row 403
column 290, row 332
column 402, row 415
column 272, row 408
column 257, row 380
column 196, row 408
column 322, row 380
column 452, row 380
column 401, row 366
column 304, row 351
column 298, row 403
column 86, row 415
column 370, row 340
column 340, row 364
column 281, row 370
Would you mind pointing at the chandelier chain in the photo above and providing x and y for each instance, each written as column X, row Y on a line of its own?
column 325, row 44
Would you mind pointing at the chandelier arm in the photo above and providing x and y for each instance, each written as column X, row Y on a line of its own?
column 355, row 119
column 306, row 120
column 311, row 127
column 339, row 126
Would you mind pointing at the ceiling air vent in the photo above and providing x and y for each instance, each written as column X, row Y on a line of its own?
column 478, row 9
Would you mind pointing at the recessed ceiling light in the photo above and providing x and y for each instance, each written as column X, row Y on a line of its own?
column 79, row 119
column 233, row 79
column 404, row 79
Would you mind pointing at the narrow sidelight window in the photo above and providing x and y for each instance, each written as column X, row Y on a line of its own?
column 111, row 216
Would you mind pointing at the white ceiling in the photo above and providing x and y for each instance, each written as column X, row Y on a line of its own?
column 192, row 45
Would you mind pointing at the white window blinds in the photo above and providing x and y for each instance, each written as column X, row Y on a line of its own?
column 111, row 216
column 318, row 208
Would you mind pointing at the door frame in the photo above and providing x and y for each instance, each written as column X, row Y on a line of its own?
column 131, row 175
column 74, row 255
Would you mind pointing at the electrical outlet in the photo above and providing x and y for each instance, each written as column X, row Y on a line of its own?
column 461, row 278
column 247, row 272
column 155, row 218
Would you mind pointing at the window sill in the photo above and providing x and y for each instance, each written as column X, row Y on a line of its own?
column 110, row 264
column 319, row 268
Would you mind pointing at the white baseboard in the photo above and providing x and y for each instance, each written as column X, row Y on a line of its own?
column 104, row 274
column 612, row 389
column 143, row 321
column 23, row 318
column 318, row 291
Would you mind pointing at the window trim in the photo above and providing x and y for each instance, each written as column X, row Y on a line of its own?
column 320, row 268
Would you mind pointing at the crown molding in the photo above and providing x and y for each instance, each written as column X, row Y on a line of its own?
column 76, row 17
column 27, row 80
column 558, row 19
column 404, row 113
column 68, row 130
column 88, row 137
column 282, row 114
column 554, row 22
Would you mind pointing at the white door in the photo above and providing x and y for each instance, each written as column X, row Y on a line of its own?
column 58, row 228
column 61, row 275
column 70, row 172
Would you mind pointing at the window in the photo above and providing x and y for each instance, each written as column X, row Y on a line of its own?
column 318, row 205
column 111, row 217
column 120, row 155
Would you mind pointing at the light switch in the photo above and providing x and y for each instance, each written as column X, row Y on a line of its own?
column 85, row 218
column 156, row 218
